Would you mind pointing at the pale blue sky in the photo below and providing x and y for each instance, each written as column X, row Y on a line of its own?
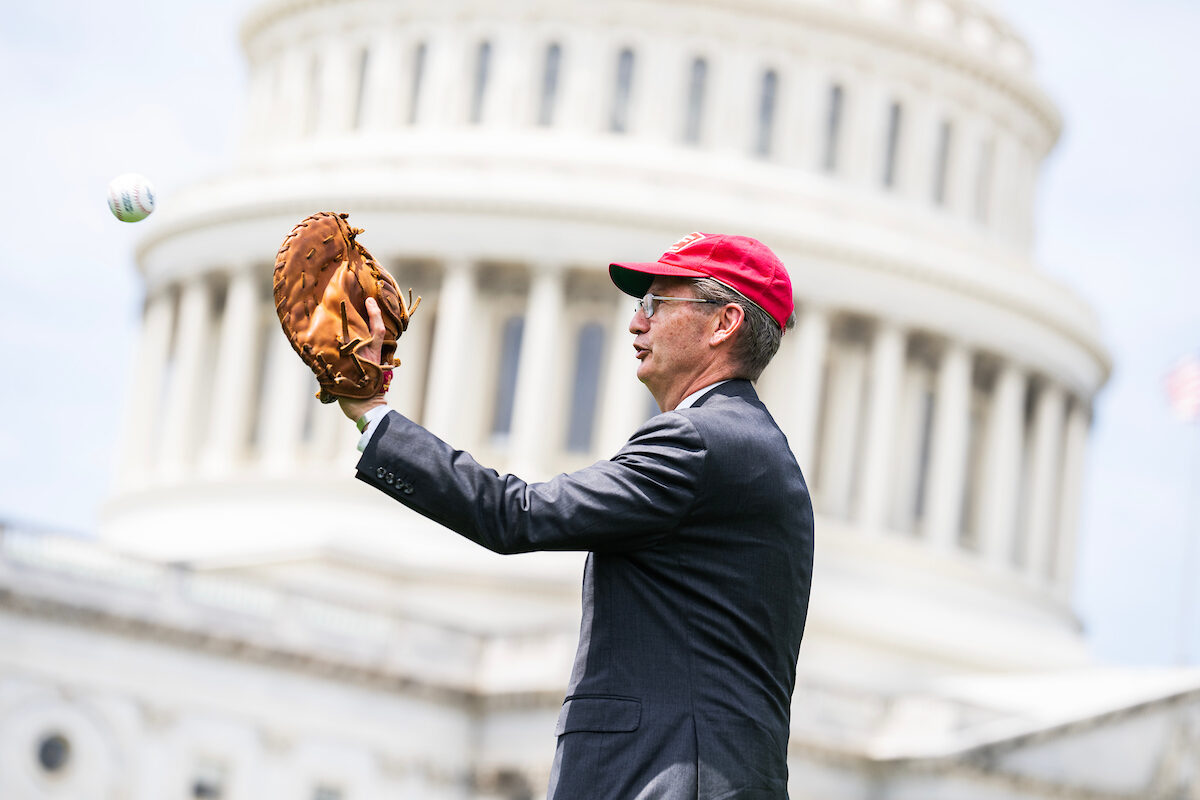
column 95, row 90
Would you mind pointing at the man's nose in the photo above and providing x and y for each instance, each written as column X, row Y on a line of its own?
column 639, row 323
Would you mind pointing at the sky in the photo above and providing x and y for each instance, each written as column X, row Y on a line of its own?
column 95, row 90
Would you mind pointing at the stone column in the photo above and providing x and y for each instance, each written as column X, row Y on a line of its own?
column 792, row 122
column 1074, row 453
column 538, row 368
column 1044, row 478
column 233, row 374
column 181, row 417
column 443, row 88
column 887, row 361
column 916, row 388
column 289, row 387
column 624, row 394
column 663, row 73
column 339, row 73
column 515, row 78
column 1023, row 197
column 586, row 81
column 409, row 381
column 963, row 168
column 451, row 340
column 865, row 125
column 731, row 103
column 385, row 91
column 808, row 376
column 142, row 410
column 917, row 154
column 1002, row 466
column 295, row 97
column 948, row 460
column 1000, row 191
column 840, row 443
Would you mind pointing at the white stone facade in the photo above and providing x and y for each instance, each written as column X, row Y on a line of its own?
column 937, row 392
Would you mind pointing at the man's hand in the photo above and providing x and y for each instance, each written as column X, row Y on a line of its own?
column 354, row 409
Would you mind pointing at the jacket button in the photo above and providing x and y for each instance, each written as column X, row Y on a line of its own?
column 390, row 478
column 408, row 488
column 379, row 473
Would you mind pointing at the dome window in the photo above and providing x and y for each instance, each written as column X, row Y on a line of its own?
column 833, row 128
column 892, row 144
column 941, row 162
column 549, row 97
column 619, row 121
column 418, row 70
column 483, row 58
column 766, row 113
column 363, row 63
column 693, row 122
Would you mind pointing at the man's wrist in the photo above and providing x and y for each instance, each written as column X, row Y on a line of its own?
column 355, row 409
column 368, row 423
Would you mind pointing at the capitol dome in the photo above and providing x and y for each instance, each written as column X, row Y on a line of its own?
column 937, row 389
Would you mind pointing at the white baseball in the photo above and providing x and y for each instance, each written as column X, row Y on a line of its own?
column 130, row 197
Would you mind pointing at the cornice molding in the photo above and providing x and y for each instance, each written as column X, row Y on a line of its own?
column 251, row 650
column 1045, row 314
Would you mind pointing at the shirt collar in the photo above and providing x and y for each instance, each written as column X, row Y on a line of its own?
column 691, row 399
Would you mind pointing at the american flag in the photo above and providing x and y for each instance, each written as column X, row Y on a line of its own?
column 1183, row 388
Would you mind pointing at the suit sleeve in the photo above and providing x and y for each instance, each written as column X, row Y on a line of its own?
column 629, row 502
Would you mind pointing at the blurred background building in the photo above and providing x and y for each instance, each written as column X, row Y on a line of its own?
column 253, row 623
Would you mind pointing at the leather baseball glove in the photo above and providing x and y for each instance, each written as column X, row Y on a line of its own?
column 323, row 278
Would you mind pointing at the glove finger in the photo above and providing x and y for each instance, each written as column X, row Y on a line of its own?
column 378, row 329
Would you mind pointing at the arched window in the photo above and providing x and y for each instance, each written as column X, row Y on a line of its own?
column 892, row 144
column 483, row 57
column 693, row 121
column 766, row 113
column 833, row 127
column 550, row 69
column 589, row 352
column 941, row 164
column 363, row 58
column 506, row 378
column 418, row 71
column 619, row 120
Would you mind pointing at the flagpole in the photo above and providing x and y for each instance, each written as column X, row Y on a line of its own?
column 1183, row 395
column 1188, row 599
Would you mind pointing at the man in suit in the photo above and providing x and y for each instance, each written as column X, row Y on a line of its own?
column 699, row 533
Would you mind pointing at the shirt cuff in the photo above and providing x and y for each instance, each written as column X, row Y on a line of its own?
column 371, row 419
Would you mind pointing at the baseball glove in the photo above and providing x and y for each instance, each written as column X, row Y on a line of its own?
column 323, row 278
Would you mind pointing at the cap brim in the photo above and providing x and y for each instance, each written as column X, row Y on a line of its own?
column 634, row 277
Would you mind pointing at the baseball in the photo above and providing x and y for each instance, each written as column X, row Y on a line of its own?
column 130, row 197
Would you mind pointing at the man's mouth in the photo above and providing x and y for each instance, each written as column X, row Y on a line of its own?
column 641, row 352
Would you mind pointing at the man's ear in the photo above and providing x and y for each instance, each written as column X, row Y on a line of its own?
column 728, row 320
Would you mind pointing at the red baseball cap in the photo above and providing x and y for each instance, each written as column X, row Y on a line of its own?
column 743, row 264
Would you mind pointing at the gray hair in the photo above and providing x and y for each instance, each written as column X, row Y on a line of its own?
column 758, row 341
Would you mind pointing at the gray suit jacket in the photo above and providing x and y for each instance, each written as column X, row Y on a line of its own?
column 700, row 534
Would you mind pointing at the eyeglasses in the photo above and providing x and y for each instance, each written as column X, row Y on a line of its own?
column 649, row 303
